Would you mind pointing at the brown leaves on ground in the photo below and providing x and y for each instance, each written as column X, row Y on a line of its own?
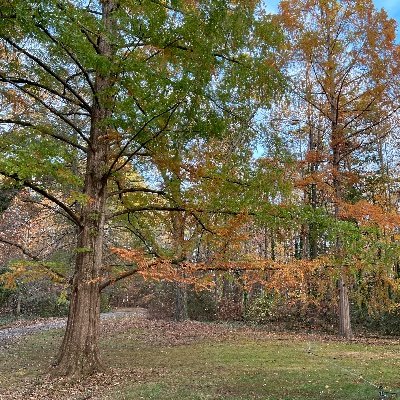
column 155, row 333
column 49, row 388
column 170, row 333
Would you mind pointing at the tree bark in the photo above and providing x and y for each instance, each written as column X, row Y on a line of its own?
column 344, row 310
column 181, row 306
column 344, row 304
column 79, row 352
column 313, row 199
column 338, row 147
column 18, row 307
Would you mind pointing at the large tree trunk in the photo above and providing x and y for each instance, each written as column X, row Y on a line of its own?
column 79, row 352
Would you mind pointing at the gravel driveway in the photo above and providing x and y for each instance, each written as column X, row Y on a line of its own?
column 9, row 334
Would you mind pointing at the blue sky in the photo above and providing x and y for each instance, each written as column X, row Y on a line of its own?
column 391, row 6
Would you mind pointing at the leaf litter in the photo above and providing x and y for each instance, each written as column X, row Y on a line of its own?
column 162, row 333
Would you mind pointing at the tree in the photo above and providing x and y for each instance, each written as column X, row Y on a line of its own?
column 346, row 54
column 86, row 87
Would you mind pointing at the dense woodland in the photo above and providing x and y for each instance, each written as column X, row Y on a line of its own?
column 203, row 159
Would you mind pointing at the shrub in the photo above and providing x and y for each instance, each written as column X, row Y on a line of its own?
column 38, row 299
column 263, row 308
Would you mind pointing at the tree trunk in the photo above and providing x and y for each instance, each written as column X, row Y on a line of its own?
column 181, row 309
column 272, row 245
column 344, row 310
column 338, row 146
column 344, row 304
column 178, row 226
column 178, row 223
column 79, row 352
column 18, row 307
column 312, row 229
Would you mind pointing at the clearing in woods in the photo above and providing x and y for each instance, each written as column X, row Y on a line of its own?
column 164, row 360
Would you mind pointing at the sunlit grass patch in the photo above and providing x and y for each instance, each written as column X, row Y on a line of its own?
column 244, row 368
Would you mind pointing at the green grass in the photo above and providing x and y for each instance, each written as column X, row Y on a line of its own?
column 241, row 367
column 261, row 370
column 23, row 361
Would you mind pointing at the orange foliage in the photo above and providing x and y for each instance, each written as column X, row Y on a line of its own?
column 315, row 156
column 289, row 276
column 366, row 213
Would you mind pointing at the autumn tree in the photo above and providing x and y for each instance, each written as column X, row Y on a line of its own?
column 345, row 54
column 206, row 186
column 87, row 87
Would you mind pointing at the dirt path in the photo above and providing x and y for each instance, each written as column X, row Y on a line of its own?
column 9, row 334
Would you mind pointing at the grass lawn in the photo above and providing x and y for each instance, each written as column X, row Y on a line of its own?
column 170, row 361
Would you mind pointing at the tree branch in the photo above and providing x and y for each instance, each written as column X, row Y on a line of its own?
column 70, row 214
column 138, row 234
column 23, row 249
column 49, row 70
column 117, row 278
column 72, row 56
column 135, row 190
column 27, row 253
column 121, row 153
column 54, row 111
column 216, row 54
column 12, row 80
column 168, row 7
column 176, row 208
column 43, row 131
